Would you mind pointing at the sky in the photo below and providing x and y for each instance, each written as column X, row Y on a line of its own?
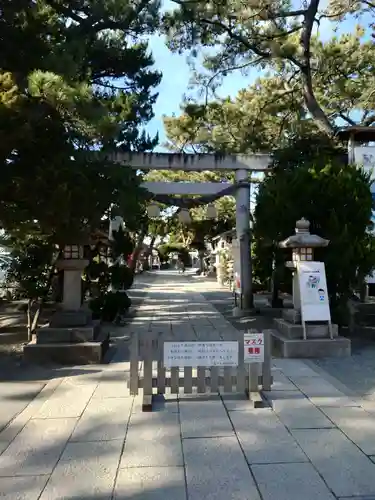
column 176, row 75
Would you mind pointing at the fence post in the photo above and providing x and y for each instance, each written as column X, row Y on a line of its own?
column 134, row 364
column 266, row 375
column 254, row 370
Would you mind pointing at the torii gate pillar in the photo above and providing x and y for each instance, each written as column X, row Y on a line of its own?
column 244, row 238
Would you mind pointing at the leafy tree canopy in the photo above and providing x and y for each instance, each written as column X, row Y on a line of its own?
column 321, row 79
column 75, row 77
column 310, row 180
column 271, row 111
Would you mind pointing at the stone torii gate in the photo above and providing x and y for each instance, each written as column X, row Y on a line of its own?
column 242, row 165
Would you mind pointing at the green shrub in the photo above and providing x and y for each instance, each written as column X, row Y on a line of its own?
column 110, row 305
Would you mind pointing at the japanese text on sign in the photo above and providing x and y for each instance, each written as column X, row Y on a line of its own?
column 200, row 354
column 253, row 347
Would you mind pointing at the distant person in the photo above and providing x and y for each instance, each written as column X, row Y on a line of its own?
column 181, row 265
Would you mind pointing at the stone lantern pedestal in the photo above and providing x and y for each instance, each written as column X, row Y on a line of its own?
column 71, row 337
column 291, row 338
column 71, row 313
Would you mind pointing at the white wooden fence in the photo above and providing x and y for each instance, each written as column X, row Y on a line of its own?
column 147, row 372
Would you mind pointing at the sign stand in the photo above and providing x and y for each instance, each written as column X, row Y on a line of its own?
column 329, row 328
column 312, row 284
column 254, row 357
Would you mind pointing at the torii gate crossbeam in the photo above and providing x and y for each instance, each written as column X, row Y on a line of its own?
column 192, row 162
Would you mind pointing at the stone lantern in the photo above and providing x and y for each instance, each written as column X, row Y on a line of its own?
column 72, row 336
column 211, row 212
column 184, row 216
column 153, row 211
column 73, row 263
column 302, row 245
column 293, row 338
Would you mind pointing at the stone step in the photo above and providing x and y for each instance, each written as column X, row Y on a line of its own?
column 364, row 318
column 364, row 331
column 68, row 353
column 314, row 330
column 365, row 308
column 310, row 348
column 292, row 316
column 48, row 335
column 13, row 334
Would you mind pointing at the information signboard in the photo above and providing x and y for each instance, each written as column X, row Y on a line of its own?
column 313, row 291
column 194, row 354
column 364, row 156
column 254, row 347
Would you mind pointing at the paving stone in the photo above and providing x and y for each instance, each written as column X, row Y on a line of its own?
column 22, row 488
column 290, row 482
column 371, row 497
column 89, row 376
column 238, row 402
column 294, row 368
column 103, row 420
column 264, row 438
column 357, row 424
column 85, row 471
column 346, row 470
column 322, row 393
column 14, row 397
column 160, row 403
column 204, row 418
column 281, row 382
column 216, row 470
column 113, row 385
column 117, row 363
column 67, row 401
column 37, row 447
column 296, row 411
column 16, row 425
column 150, row 483
column 153, row 440
column 368, row 404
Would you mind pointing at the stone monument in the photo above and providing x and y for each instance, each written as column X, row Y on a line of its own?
column 292, row 338
column 71, row 336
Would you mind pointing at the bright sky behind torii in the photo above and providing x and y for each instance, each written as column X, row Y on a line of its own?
column 176, row 75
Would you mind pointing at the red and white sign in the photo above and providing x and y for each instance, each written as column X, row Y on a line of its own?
column 253, row 347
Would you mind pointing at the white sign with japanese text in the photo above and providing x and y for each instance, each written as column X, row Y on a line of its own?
column 253, row 347
column 364, row 156
column 194, row 354
column 313, row 291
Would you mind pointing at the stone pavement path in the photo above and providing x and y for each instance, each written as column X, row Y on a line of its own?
column 83, row 437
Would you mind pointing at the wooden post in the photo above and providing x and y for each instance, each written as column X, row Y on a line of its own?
column 134, row 365
column 241, row 368
column 266, row 375
column 253, row 390
column 147, row 374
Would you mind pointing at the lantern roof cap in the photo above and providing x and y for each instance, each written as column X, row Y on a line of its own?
column 303, row 238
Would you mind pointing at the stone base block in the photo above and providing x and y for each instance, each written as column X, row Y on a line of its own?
column 83, row 353
column 292, row 316
column 12, row 334
column 78, row 334
column 311, row 348
column 66, row 319
column 314, row 330
column 269, row 312
column 237, row 312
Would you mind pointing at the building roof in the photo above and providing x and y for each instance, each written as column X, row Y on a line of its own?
column 359, row 132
